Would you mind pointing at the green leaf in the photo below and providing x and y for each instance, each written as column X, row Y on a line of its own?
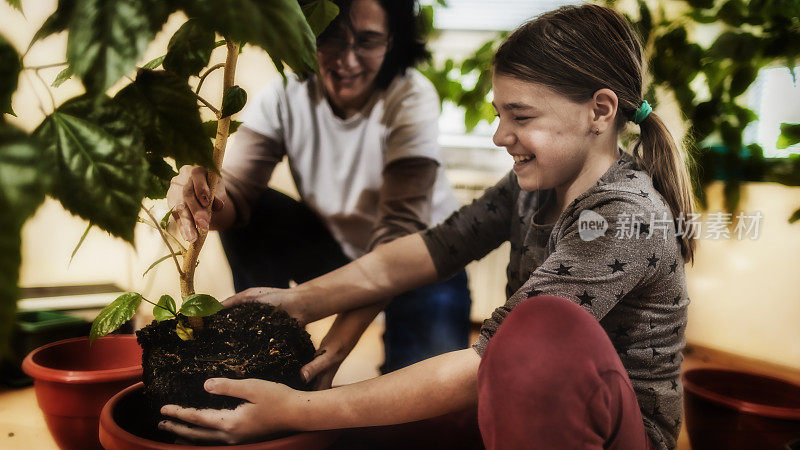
column 57, row 22
column 159, row 175
column 100, row 163
column 10, row 260
column 15, row 4
column 154, row 63
column 165, row 107
column 742, row 78
column 319, row 14
column 114, row 315
column 233, row 101
column 795, row 216
column 790, row 135
column 10, row 67
column 184, row 332
column 159, row 261
column 189, row 49
column 164, row 309
column 164, row 222
column 62, row 76
column 200, row 305
column 277, row 26
column 25, row 173
column 80, row 242
column 210, row 128
column 107, row 38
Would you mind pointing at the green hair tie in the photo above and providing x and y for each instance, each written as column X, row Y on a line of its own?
column 642, row 113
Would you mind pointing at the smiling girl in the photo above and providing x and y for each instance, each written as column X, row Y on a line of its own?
column 586, row 351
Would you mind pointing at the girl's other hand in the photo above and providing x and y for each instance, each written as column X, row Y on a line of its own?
column 270, row 408
column 188, row 197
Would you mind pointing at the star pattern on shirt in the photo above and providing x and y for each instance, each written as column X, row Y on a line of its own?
column 672, row 358
column 533, row 293
column 620, row 295
column 676, row 330
column 643, row 193
column 631, row 176
column 644, row 228
column 563, row 270
column 617, row 266
column 503, row 191
column 674, row 385
column 621, row 331
column 676, row 300
column 491, row 207
column 673, row 266
column 651, row 261
column 655, row 352
column 586, row 298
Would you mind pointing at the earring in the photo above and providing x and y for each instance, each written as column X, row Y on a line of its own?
column 597, row 131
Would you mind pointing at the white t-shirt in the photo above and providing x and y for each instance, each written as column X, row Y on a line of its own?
column 336, row 163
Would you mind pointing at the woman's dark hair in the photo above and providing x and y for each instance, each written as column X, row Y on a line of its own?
column 407, row 47
column 578, row 50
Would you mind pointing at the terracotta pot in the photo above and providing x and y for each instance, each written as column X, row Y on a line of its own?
column 73, row 381
column 737, row 410
column 127, row 424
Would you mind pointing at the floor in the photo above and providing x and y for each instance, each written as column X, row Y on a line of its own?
column 22, row 425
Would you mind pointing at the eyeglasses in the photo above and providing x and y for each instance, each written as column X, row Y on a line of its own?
column 363, row 47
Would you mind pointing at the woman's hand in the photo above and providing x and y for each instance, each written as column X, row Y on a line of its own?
column 337, row 344
column 284, row 299
column 270, row 408
column 188, row 197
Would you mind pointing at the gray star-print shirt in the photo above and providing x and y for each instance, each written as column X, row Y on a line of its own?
column 630, row 275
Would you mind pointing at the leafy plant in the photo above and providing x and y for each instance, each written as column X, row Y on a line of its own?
column 706, row 80
column 102, row 153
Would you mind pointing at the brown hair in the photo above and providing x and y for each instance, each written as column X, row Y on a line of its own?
column 578, row 50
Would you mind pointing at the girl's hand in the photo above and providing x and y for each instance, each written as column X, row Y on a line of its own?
column 272, row 408
column 188, row 196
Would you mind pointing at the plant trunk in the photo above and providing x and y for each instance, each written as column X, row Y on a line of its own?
column 223, row 126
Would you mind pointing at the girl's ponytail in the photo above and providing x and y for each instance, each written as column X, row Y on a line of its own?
column 665, row 163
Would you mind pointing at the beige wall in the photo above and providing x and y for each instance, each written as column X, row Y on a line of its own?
column 745, row 294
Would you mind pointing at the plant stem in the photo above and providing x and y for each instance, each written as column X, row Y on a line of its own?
column 208, row 105
column 223, row 128
column 174, row 313
column 205, row 74
column 166, row 241
column 46, row 66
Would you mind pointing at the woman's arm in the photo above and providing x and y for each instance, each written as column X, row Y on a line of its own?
column 430, row 388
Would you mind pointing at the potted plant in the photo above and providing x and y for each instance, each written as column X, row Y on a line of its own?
column 101, row 154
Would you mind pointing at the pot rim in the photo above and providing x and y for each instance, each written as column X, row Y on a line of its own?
column 110, row 427
column 742, row 406
column 42, row 373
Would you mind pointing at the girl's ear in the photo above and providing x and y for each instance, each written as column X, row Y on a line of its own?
column 604, row 109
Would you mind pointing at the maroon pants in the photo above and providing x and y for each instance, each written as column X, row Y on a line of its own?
column 550, row 378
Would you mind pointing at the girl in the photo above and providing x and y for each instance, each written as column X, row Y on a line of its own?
column 361, row 141
column 586, row 351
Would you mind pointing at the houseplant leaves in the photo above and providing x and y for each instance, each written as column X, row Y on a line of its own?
column 100, row 163
column 106, row 39
column 115, row 314
column 9, row 75
column 189, row 49
column 164, row 106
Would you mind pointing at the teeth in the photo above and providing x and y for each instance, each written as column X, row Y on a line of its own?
column 520, row 158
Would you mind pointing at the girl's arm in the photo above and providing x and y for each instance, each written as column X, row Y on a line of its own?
column 430, row 388
column 387, row 271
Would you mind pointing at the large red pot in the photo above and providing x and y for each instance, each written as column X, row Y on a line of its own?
column 126, row 424
column 737, row 410
column 73, row 380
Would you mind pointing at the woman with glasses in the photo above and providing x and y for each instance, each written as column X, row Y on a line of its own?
column 361, row 141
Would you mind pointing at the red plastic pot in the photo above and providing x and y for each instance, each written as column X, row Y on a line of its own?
column 73, row 381
column 736, row 410
column 126, row 424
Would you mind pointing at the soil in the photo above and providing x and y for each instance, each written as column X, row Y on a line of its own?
column 252, row 340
